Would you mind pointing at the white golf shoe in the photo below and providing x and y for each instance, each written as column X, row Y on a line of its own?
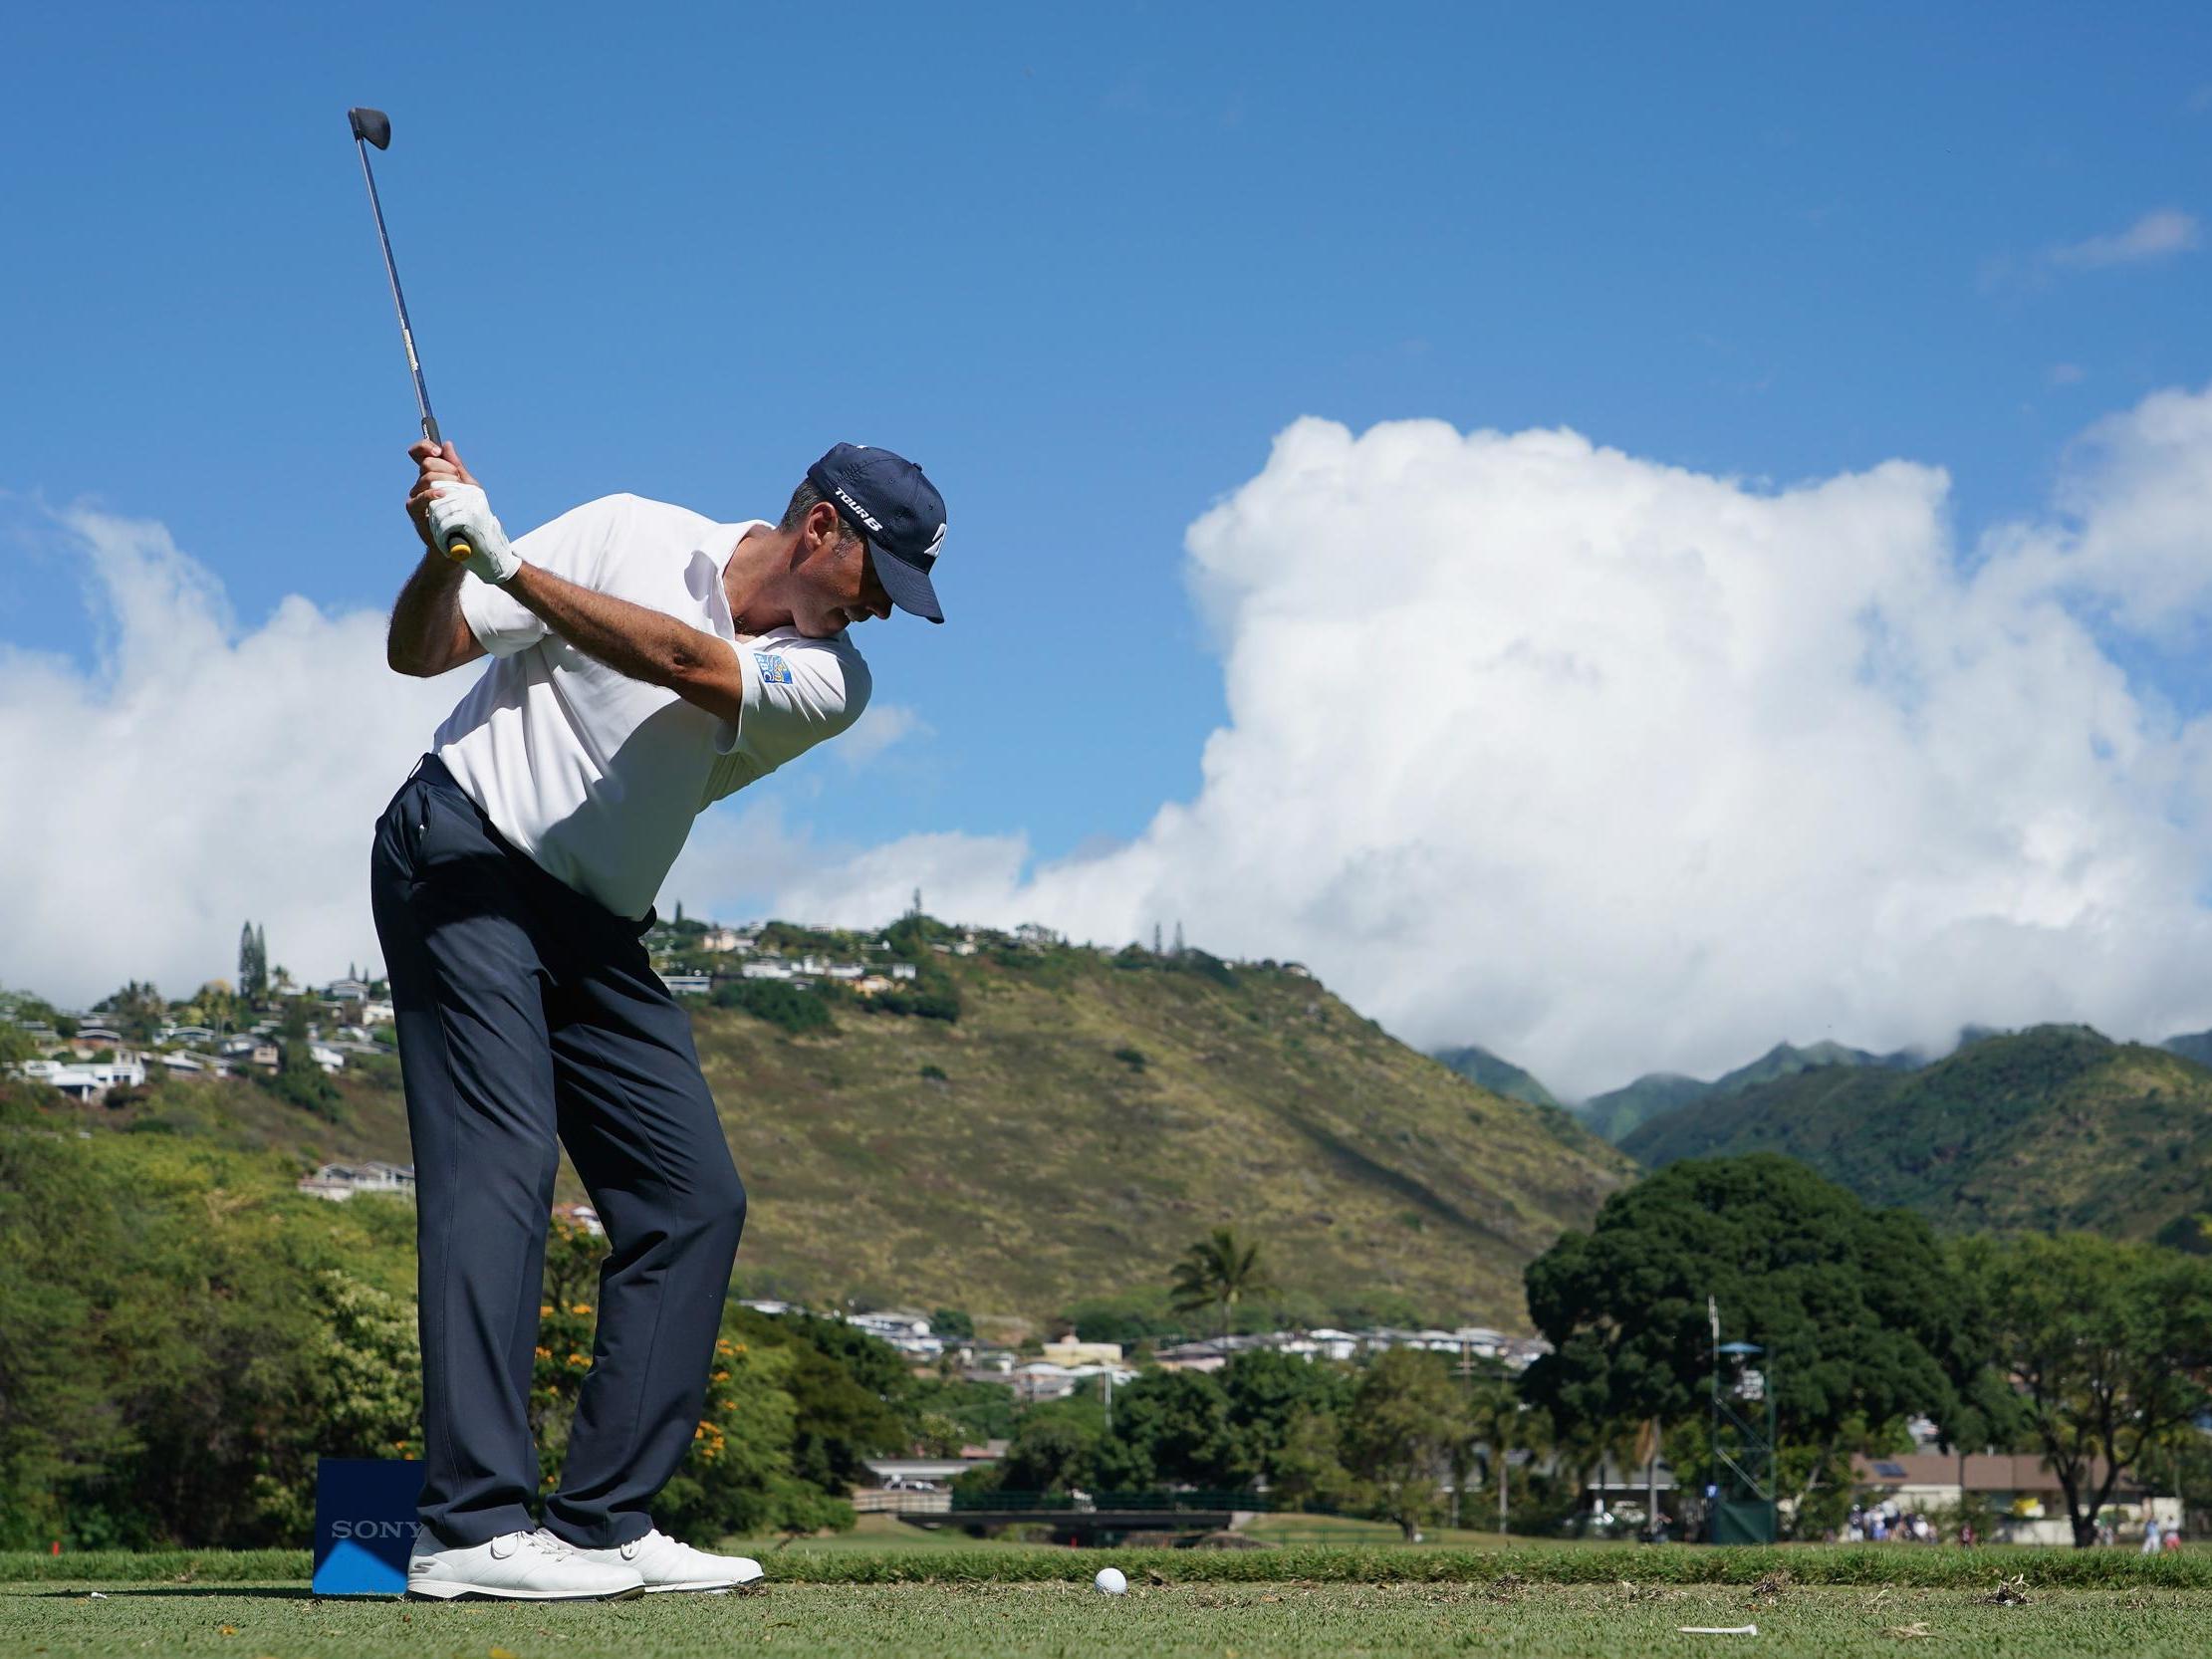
column 669, row 1565
column 518, row 1567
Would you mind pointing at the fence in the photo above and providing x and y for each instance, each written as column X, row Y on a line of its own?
column 1069, row 1503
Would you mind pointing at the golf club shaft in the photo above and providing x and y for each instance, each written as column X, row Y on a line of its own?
column 458, row 548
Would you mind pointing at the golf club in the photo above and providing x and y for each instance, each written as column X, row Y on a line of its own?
column 374, row 127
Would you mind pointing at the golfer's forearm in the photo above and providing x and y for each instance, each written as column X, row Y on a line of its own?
column 634, row 639
column 427, row 633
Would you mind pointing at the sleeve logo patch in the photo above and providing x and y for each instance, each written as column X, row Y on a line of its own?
column 774, row 670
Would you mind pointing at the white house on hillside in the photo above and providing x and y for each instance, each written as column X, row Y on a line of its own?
column 339, row 1182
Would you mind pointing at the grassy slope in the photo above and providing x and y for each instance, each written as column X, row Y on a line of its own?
column 2054, row 1127
column 1045, row 1170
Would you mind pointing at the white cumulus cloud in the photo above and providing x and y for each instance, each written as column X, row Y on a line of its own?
column 201, row 775
column 1616, row 766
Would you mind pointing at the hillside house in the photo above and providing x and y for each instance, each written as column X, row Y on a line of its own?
column 248, row 1048
column 347, row 991
column 339, row 1182
column 580, row 1215
column 1072, row 1353
column 375, row 1012
column 687, row 984
column 1041, row 1379
column 90, row 1081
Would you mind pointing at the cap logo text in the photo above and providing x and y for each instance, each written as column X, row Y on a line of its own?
column 875, row 524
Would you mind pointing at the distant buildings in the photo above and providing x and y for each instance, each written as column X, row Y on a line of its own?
column 1468, row 1342
column 2025, row 1493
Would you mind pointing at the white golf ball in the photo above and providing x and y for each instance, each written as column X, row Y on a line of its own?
column 1111, row 1581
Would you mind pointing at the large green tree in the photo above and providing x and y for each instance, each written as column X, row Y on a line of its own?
column 1859, row 1311
column 2111, row 1345
column 1178, row 1425
column 1269, row 1394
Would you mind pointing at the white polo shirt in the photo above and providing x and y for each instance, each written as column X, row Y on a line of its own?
column 597, row 776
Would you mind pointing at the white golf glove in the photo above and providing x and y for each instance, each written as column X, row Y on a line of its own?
column 465, row 510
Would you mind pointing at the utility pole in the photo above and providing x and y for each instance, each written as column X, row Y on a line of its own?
column 1466, row 1365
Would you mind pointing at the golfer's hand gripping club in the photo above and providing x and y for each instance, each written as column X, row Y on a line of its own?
column 455, row 515
column 457, row 547
column 462, row 518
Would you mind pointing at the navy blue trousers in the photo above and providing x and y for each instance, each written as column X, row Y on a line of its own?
column 526, row 1011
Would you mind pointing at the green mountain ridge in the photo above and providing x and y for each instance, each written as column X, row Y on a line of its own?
column 1620, row 1112
column 1081, row 1122
column 1501, row 1076
column 2052, row 1128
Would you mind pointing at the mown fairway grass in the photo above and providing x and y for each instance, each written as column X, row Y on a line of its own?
column 1296, row 1617
column 852, row 1600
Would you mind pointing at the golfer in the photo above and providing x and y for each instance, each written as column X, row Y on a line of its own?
column 646, row 661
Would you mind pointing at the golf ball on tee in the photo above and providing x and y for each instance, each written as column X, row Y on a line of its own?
column 1110, row 1580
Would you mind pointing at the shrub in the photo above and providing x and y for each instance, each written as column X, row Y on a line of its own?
column 796, row 1011
column 932, row 994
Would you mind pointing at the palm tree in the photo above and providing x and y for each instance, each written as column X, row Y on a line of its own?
column 1218, row 1271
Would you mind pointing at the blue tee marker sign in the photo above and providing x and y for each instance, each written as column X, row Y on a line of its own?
column 364, row 1522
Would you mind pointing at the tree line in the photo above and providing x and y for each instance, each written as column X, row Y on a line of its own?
column 183, row 1334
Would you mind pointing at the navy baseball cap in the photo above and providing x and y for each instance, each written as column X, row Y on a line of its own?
column 887, row 499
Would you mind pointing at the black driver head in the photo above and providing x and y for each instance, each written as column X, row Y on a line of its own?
column 373, row 126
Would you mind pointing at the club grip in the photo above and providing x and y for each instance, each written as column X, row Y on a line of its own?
column 459, row 550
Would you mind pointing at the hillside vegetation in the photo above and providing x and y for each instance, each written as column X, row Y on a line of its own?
column 2054, row 1127
column 1083, row 1120
column 1620, row 1112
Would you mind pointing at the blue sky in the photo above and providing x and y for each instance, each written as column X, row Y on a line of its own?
column 1082, row 267
column 1083, row 263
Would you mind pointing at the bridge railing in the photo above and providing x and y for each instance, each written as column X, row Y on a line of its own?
column 1065, row 1503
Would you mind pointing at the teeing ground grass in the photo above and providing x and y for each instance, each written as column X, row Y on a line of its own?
column 859, row 1596
column 1338, row 1621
